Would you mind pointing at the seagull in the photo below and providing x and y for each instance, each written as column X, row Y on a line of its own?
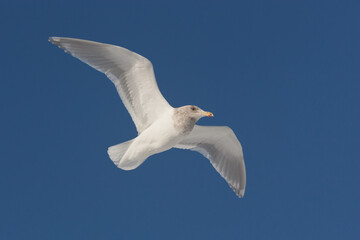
column 160, row 126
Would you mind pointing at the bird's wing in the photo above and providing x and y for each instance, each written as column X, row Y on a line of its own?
column 132, row 75
column 223, row 149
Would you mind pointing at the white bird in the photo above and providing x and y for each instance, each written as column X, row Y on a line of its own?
column 160, row 126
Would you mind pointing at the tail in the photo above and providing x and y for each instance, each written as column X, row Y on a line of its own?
column 126, row 158
column 116, row 152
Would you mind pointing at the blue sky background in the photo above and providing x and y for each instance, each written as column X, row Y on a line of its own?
column 284, row 75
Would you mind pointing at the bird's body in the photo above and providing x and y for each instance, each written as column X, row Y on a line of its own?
column 173, row 126
column 160, row 126
column 149, row 143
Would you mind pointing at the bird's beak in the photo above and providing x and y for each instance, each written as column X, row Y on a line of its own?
column 208, row 114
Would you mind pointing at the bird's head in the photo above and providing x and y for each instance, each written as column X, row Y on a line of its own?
column 196, row 112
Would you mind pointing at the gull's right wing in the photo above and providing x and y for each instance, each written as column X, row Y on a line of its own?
column 132, row 75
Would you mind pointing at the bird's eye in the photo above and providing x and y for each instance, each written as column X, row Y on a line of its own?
column 193, row 108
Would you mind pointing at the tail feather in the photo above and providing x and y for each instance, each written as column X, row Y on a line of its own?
column 116, row 152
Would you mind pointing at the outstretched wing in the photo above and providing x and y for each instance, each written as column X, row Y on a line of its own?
column 223, row 149
column 132, row 75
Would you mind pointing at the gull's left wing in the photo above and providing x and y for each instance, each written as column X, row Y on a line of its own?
column 223, row 149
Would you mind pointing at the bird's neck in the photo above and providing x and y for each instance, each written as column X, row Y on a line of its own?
column 183, row 123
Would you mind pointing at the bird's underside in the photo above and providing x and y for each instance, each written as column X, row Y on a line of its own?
column 160, row 126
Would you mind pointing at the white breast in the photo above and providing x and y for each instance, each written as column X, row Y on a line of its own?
column 160, row 136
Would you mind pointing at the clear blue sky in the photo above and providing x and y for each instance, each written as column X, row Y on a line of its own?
column 284, row 75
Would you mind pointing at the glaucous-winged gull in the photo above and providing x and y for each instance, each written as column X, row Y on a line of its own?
column 160, row 126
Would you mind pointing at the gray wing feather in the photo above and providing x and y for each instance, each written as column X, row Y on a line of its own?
column 222, row 148
column 132, row 75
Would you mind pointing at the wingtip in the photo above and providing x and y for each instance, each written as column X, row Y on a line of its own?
column 54, row 39
column 57, row 41
column 241, row 193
